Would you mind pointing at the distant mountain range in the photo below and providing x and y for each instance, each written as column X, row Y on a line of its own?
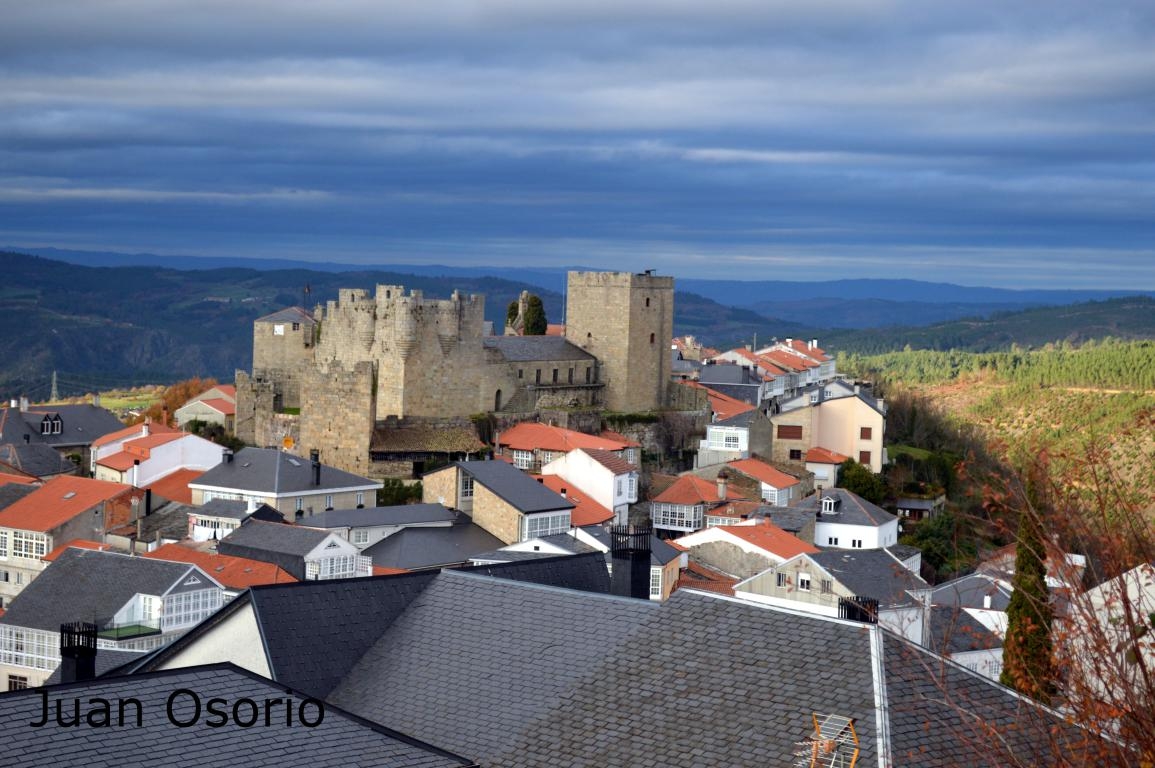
column 103, row 326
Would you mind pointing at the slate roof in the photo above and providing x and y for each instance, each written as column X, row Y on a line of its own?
column 106, row 661
column 955, row 630
column 725, row 373
column 790, row 519
column 81, row 424
column 233, row 572
column 288, row 315
column 270, row 470
column 969, row 591
column 10, row 493
column 585, row 572
column 871, row 573
column 404, row 514
column 474, row 660
column 36, row 459
column 295, row 540
column 234, row 509
column 529, row 349
column 87, row 585
column 742, row 420
column 169, row 521
column 515, row 487
column 340, row 740
column 416, row 548
column 852, row 509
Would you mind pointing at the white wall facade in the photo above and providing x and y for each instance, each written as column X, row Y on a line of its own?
column 845, row 536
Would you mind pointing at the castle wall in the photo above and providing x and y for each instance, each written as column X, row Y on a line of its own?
column 626, row 321
column 428, row 352
column 281, row 352
column 338, row 417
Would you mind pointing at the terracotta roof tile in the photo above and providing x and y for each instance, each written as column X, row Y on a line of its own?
column 221, row 405
column 57, row 501
column 529, row 436
column 760, row 470
column 233, row 572
column 771, row 538
column 78, row 544
column 692, row 490
column 723, row 406
column 586, row 511
column 174, row 486
column 121, row 462
column 824, row 456
column 136, row 430
column 610, row 461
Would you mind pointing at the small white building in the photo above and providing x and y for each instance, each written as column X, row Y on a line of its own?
column 142, row 461
column 605, row 477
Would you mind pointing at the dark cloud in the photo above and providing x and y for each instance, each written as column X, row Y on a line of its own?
column 978, row 142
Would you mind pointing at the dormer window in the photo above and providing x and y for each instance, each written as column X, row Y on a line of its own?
column 829, row 505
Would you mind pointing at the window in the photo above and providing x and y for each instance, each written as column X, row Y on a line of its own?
column 278, row 330
column 328, row 501
column 621, row 486
column 827, row 587
column 770, row 494
column 17, row 682
column 864, row 457
column 647, row 301
column 856, row 543
column 537, row 376
column 804, row 582
column 523, row 459
column 789, row 432
column 655, row 582
column 360, row 536
column 730, row 441
column 781, row 580
column 829, row 505
column 25, row 544
column 832, row 541
column 360, row 498
column 571, row 375
column 466, row 486
column 864, row 433
column 300, row 504
column 589, row 375
column 796, row 454
column 520, row 373
column 813, row 397
column 339, row 567
column 3, row 543
column 632, row 487
column 186, row 608
column 296, row 326
column 652, row 337
column 4, row 577
column 537, row 526
column 20, row 577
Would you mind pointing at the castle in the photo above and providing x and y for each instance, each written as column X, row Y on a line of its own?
column 380, row 384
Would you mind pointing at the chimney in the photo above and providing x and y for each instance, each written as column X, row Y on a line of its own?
column 23, row 403
column 147, row 502
column 145, row 428
column 987, row 602
column 77, row 652
column 250, row 505
column 315, row 457
column 723, row 476
column 630, row 555
column 228, row 456
column 563, row 493
column 27, row 438
column 96, row 400
column 813, row 344
column 789, row 342
column 135, row 473
column 14, row 403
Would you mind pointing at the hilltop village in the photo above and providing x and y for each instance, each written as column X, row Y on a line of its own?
column 621, row 548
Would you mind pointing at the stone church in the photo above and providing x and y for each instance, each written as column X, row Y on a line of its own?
column 382, row 384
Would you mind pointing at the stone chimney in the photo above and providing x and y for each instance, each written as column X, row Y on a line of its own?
column 77, row 652
column 723, row 476
column 630, row 555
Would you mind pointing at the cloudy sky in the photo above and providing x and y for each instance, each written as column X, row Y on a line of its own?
column 979, row 142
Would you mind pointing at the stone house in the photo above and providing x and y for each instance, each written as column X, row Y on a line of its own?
column 500, row 498
column 846, row 421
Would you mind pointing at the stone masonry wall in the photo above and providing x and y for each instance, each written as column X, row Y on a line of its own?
column 338, row 417
column 282, row 358
column 626, row 321
column 495, row 515
column 440, row 487
column 780, row 448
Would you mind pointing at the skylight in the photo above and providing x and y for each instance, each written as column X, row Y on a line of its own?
column 70, row 494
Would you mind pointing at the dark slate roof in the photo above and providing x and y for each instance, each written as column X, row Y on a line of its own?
column 340, row 740
column 87, row 585
column 413, row 548
column 510, row 556
column 405, row 514
column 969, row 591
column 585, row 572
column 954, row 630
column 727, row 374
column 36, row 459
column 271, row 470
column 238, row 510
column 529, row 349
column 80, row 424
column 515, row 487
column 789, row 519
column 943, row 715
column 741, row 420
column 746, row 393
column 275, row 537
column 169, row 521
column 106, row 661
column 10, row 493
column 903, row 551
column 851, row 509
column 871, row 573
column 569, row 543
column 288, row 315
column 474, row 660
column 706, row 682
column 661, row 552
column 913, row 503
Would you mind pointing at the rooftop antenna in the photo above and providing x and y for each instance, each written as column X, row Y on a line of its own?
column 833, row 744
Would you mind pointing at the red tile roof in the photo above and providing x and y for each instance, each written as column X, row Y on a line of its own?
column 555, row 329
column 767, row 536
column 698, row 576
column 586, row 511
column 736, row 509
column 529, row 436
column 78, row 543
column 121, row 462
column 22, row 478
column 610, row 461
column 136, row 430
column 760, row 470
column 233, row 572
column 174, row 486
column 824, row 456
column 220, row 405
column 58, row 501
column 691, row 490
column 723, row 406
column 381, row 570
column 228, row 389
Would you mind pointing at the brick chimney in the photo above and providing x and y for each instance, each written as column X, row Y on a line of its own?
column 77, row 652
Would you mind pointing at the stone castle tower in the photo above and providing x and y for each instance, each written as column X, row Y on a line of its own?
column 283, row 345
column 626, row 321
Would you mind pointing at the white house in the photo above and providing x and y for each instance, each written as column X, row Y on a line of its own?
column 604, row 476
column 845, row 520
column 141, row 461
column 365, row 527
column 304, row 553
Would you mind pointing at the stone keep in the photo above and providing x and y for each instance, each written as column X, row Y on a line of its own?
column 427, row 353
column 626, row 321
